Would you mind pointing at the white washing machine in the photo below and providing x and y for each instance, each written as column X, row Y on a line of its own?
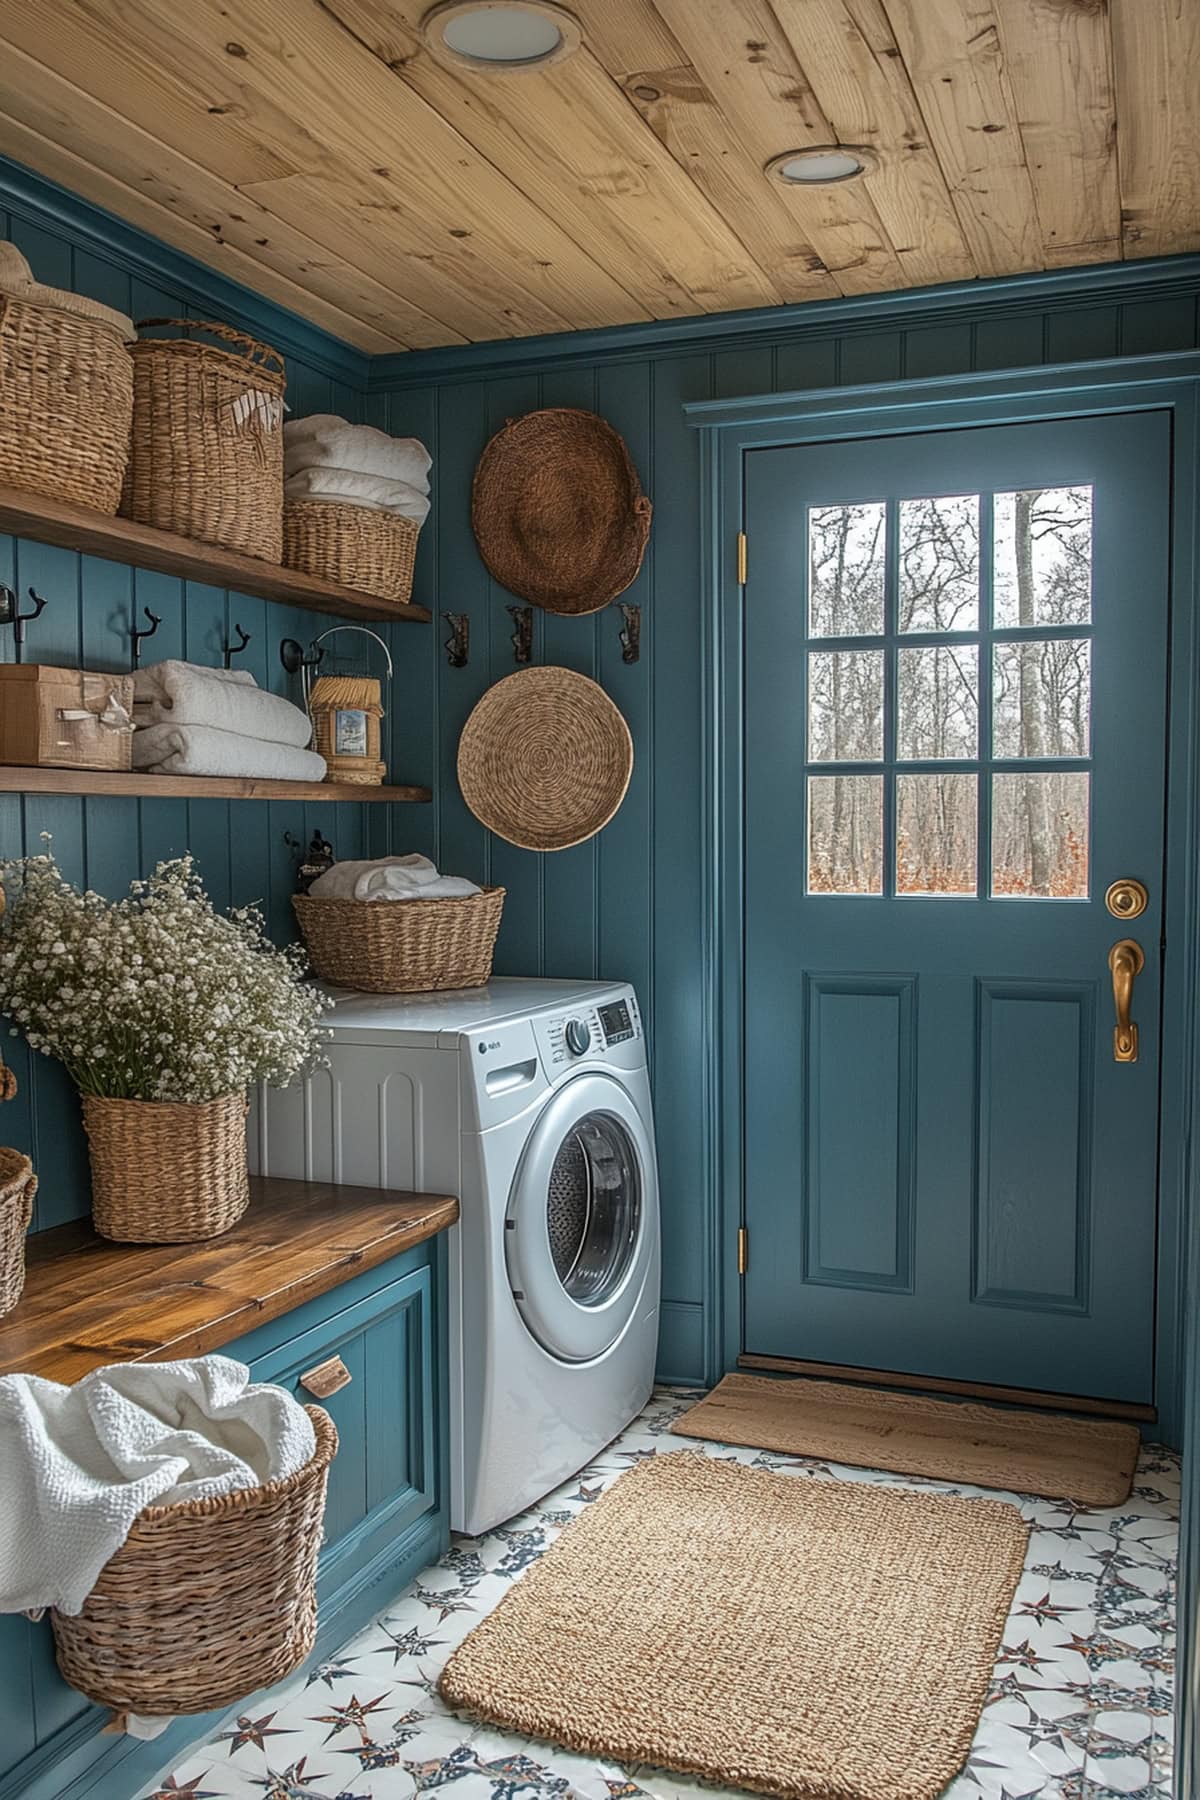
column 529, row 1100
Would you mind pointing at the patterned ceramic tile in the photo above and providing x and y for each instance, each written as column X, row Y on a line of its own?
column 1080, row 1705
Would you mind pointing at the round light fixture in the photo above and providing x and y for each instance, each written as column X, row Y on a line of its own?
column 821, row 166
column 500, row 35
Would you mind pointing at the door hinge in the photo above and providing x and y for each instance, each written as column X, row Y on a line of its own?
column 743, row 1249
column 741, row 558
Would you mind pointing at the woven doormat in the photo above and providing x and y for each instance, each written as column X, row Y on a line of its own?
column 795, row 1637
column 1090, row 1461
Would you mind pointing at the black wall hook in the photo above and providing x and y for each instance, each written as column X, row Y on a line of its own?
column 522, row 637
column 137, row 636
column 11, row 614
column 631, row 632
column 229, row 651
column 458, row 644
column 291, row 655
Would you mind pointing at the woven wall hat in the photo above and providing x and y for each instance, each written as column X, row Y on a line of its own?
column 558, row 512
column 545, row 759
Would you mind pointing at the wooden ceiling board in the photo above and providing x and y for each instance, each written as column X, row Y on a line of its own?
column 317, row 151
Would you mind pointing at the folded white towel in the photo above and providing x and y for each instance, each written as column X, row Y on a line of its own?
column 372, row 491
column 78, row 1464
column 182, row 693
column 325, row 441
column 206, row 750
column 390, row 878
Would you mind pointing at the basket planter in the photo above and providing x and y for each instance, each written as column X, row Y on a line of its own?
column 355, row 546
column 66, row 401
column 166, row 1172
column 402, row 946
column 18, row 1185
column 207, row 1600
column 207, row 450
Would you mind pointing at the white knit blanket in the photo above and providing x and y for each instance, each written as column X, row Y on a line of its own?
column 325, row 441
column 375, row 492
column 78, row 1464
column 183, row 693
column 390, row 878
column 206, row 750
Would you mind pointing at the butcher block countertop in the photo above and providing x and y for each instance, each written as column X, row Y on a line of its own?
column 88, row 1302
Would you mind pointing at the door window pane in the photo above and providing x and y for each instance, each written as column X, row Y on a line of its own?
column 938, row 702
column 845, row 834
column 939, row 563
column 845, row 570
column 1043, row 557
column 1042, row 698
column 845, row 706
column 936, row 834
column 1040, row 835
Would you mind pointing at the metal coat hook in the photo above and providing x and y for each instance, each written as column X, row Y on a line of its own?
column 137, row 636
column 11, row 614
column 458, row 644
column 229, row 651
column 291, row 655
column 522, row 637
column 631, row 632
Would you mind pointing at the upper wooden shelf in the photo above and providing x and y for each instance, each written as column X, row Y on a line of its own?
column 121, row 540
column 88, row 1301
column 141, row 784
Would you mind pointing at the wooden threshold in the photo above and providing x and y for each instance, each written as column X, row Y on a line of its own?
column 88, row 1301
column 939, row 1384
column 142, row 784
column 121, row 540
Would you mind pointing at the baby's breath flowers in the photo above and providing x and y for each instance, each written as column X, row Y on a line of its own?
column 155, row 996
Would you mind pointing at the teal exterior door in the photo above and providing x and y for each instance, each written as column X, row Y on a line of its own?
column 955, row 703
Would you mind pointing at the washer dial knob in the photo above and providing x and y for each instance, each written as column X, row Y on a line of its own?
column 579, row 1036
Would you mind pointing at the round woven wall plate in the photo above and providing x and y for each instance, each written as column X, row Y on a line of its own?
column 545, row 759
column 558, row 512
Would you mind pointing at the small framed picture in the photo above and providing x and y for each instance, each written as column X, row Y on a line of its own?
column 350, row 733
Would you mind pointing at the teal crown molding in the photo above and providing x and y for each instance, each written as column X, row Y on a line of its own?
column 1101, row 284
column 103, row 234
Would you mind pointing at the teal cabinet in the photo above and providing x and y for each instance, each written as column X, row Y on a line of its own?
column 386, row 1517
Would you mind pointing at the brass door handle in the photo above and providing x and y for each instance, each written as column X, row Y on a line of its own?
column 1126, row 961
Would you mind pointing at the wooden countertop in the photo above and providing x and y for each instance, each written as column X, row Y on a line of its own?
column 88, row 1301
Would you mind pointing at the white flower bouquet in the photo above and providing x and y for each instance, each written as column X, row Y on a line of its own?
column 163, row 1012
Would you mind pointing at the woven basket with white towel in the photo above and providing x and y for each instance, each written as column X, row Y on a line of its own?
column 354, row 502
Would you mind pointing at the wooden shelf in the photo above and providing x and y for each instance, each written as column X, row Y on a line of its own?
column 88, row 1302
column 120, row 540
column 140, row 784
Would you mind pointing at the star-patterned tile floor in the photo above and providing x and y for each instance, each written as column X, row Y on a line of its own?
column 1080, row 1706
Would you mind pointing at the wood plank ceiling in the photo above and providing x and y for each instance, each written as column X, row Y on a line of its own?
column 314, row 150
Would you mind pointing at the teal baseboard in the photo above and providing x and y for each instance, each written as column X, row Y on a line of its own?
column 681, row 1343
column 79, row 1764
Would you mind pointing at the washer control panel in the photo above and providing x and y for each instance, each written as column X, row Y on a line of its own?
column 615, row 1022
column 590, row 1032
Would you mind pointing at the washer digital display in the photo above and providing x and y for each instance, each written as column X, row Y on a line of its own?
column 615, row 1022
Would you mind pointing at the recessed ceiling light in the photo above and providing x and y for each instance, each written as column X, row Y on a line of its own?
column 820, row 166
column 505, row 35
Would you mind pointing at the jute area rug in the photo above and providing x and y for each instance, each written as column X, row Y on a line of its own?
column 1090, row 1461
column 811, row 1639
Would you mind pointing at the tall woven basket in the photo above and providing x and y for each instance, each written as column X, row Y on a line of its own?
column 18, row 1185
column 207, row 448
column 402, row 946
column 356, row 546
column 207, row 1600
column 66, row 402
column 166, row 1172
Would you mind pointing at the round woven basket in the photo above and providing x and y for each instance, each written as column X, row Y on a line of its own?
column 207, row 449
column 402, row 946
column 66, row 402
column 18, row 1185
column 545, row 759
column 166, row 1172
column 356, row 546
column 207, row 1600
column 558, row 511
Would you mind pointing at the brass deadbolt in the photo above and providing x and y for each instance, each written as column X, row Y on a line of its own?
column 1127, row 899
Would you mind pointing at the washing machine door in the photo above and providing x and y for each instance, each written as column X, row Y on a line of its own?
column 579, row 1230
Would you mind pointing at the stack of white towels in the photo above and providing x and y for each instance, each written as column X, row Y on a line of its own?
column 196, row 721
column 326, row 458
column 390, row 878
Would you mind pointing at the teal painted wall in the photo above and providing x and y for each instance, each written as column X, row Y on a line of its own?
column 628, row 904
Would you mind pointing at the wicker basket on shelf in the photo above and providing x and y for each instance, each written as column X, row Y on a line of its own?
column 207, row 1600
column 166, row 1172
column 66, row 401
column 402, row 946
column 18, row 1185
column 207, row 450
column 355, row 546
